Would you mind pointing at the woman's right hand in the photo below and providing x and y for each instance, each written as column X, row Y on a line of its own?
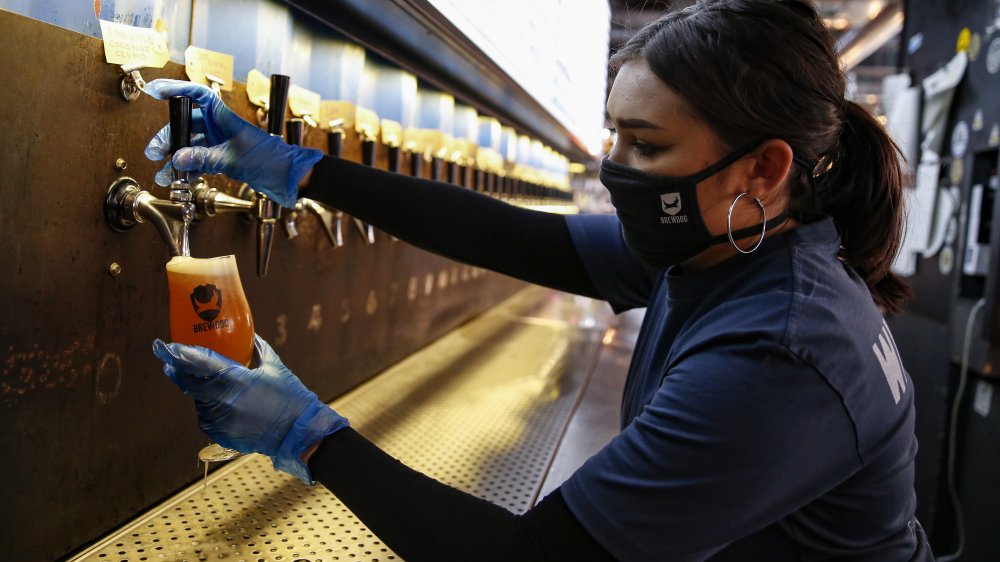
column 265, row 410
column 224, row 143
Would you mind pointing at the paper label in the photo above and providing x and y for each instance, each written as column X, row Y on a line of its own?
column 303, row 102
column 134, row 46
column 366, row 123
column 335, row 114
column 413, row 140
column 392, row 133
column 488, row 159
column 464, row 150
column 258, row 88
column 441, row 145
column 201, row 63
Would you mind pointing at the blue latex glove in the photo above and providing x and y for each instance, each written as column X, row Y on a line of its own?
column 264, row 410
column 224, row 143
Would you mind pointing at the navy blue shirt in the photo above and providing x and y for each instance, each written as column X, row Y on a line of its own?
column 766, row 414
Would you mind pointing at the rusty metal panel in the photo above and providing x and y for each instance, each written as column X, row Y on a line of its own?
column 91, row 430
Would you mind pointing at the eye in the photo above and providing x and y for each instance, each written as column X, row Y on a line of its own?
column 643, row 150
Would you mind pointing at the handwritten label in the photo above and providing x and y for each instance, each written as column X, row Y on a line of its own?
column 336, row 114
column 366, row 123
column 258, row 88
column 202, row 63
column 392, row 133
column 303, row 102
column 134, row 46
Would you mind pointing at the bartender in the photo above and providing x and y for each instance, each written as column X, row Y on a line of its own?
column 766, row 414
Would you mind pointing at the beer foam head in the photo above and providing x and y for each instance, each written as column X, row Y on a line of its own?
column 221, row 265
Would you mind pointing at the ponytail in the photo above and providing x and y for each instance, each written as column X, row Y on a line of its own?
column 862, row 189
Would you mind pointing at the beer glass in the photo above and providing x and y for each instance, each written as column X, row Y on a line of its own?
column 208, row 308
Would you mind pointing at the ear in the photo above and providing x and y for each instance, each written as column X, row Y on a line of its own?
column 767, row 168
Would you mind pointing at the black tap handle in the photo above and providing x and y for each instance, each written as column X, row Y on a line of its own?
column 180, row 122
column 415, row 160
column 294, row 131
column 277, row 103
column 368, row 152
column 489, row 183
column 435, row 168
column 393, row 155
column 335, row 143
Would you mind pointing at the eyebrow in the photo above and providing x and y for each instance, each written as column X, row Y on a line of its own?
column 637, row 124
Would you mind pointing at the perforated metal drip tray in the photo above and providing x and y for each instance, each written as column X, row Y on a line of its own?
column 481, row 409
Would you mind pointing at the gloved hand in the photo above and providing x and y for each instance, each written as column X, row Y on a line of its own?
column 224, row 143
column 264, row 410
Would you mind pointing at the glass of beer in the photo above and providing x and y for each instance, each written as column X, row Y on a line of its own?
column 208, row 308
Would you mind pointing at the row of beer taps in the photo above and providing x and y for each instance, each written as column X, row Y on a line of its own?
column 127, row 204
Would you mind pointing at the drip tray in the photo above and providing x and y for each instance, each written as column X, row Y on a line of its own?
column 482, row 409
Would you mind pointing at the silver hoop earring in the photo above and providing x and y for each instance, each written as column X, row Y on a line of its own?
column 729, row 224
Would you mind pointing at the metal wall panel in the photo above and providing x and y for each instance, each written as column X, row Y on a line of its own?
column 92, row 432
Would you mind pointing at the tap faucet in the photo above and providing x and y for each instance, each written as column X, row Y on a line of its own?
column 266, row 211
column 127, row 204
column 328, row 218
column 368, row 159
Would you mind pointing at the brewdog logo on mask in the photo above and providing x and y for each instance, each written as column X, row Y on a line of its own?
column 671, row 205
column 207, row 303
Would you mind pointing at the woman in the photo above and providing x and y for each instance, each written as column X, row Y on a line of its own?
column 766, row 414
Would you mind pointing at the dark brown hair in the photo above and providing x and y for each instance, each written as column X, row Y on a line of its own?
column 756, row 69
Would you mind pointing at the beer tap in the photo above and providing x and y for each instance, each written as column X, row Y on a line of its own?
column 474, row 178
column 329, row 218
column 209, row 201
column 266, row 211
column 415, row 159
column 368, row 159
column 395, row 150
column 435, row 168
column 293, row 135
column 180, row 188
column 334, row 228
column 127, row 204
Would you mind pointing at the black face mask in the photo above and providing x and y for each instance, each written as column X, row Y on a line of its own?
column 660, row 217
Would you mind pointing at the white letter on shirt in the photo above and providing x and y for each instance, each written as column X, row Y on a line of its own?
column 888, row 356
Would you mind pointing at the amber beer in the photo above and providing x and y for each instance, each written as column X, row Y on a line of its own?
column 208, row 306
